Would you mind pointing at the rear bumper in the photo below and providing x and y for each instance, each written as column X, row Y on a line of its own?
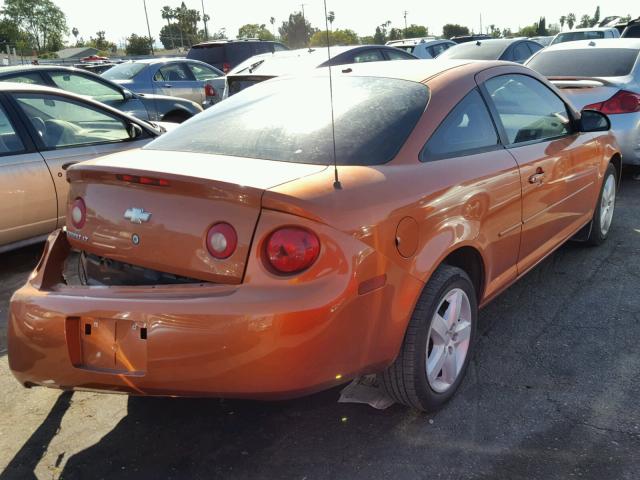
column 626, row 128
column 204, row 340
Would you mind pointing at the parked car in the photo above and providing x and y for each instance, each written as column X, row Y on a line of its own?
column 511, row 49
column 143, row 106
column 632, row 30
column 42, row 132
column 586, row 34
column 428, row 47
column 226, row 54
column 246, row 265
column 600, row 75
column 177, row 77
column 470, row 38
column 544, row 41
column 263, row 67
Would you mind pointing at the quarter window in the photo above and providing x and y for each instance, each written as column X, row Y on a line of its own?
column 397, row 55
column 467, row 129
column 65, row 123
column 81, row 85
column 527, row 109
column 9, row 140
column 203, row 73
column 368, row 56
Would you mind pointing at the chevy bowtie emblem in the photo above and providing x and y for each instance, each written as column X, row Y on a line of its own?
column 137, row 215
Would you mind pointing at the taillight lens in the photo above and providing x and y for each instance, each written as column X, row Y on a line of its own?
column 78, row 213
column 292, row 249
column 209, row 91
column 622, row 102
column 222, row 240
column 226, row 67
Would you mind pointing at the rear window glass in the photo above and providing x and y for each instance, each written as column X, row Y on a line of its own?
column 207, row 53
column 124, row 71
column 289, row 120
column 573, row 36
column 487, row 50
column 590, row 62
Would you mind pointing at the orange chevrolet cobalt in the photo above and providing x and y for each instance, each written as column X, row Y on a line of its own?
column 305, row 232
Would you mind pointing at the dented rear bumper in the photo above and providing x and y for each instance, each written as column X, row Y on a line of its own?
column 260, row 340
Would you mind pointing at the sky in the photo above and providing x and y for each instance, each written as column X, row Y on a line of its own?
column 120, row 18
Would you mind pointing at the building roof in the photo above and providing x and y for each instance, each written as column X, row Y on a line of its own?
column 76, row 52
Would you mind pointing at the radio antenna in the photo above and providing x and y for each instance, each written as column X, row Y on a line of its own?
column 336, row 182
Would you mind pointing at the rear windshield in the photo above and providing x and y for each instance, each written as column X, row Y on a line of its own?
column 590, row 62
column 573, row 36
column 124, row 71
column 632, row 32
column 289, row 120
column 487, row 50
column 207, row 53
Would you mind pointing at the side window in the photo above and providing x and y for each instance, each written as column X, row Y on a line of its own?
column 81, row 85
column 30, row 78
column 371, row 55
column 527, row 109
column 438, row 49
column 10, row 142
column 520, row 52
column 534, row 47
column 467, row 129
column 396, row 55
column 62, row 122
column 174, row 72
column 203, row 73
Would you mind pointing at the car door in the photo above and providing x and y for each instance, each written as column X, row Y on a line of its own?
column 558, row 166
column 176, row 80
column 68, row 131
column 101, row 91
column 28, row 206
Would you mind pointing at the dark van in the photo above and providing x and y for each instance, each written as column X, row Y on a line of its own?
column 226, row 54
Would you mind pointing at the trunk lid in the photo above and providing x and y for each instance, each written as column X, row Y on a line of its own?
column 202, row 190
column 582, row 91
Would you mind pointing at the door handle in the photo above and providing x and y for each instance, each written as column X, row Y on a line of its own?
column 166, row 85
column 537, row 177
column 67, row 165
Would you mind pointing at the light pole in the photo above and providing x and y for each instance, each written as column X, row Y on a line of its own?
column 302, row 5
column 405, row 23
column 204, row 19
column 144, row 2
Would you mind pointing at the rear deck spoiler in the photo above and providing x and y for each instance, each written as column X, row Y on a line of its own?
column 581, row 82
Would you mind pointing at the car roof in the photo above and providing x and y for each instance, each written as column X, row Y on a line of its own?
column 30, row 68
column 632, row 43
column 589, row 29
column 237, row 40
column 417, row 41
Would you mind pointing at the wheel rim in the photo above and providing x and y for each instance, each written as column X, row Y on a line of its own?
column 448, row 340
column 607, row 204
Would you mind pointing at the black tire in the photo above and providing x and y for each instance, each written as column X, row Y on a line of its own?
column 406, row 379
column 176, row 117
column 596, row 235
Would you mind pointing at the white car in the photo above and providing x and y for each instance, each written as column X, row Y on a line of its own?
column 427, row 47
column 594, row 33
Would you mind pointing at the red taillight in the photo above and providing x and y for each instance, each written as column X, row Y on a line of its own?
column 292, row 249
column 158, row 182
column 621, row 102
column 226, row 67
column 222, row 240
column 209, row 91
column 78, row 213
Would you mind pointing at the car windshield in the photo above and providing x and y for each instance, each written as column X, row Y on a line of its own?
column 582, row 35
column 589, row 62
column 479, row 50
column 289, row 120
column 124, row 71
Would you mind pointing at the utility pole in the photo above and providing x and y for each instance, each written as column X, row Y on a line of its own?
column 144, row 2
column 204, row 19
column 303, row 5
column 480, row 23
column 405, row 23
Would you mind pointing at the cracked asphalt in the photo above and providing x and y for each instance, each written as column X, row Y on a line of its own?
column 552, row 392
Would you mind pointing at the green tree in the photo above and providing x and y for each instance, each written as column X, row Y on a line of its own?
column 494, row 32
column 101, row 43
column 541, row 27
column 138, row 45
column 43, row 22
column 454, row 30
column 585, row 21
column 167, row 14
column 507, row 33
column 529, row 31
column 272, row 21
column 563, row 19
column 368, row 40
column 415, row 31
column 331, row 17
column 253, row 30
column 297, row 31
column 395, row 34
column 596, row 17
column 336, row 37
column 571, row 20
column 381, row 34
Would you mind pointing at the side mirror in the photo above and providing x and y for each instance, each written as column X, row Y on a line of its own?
column 594, row 121
column 134, row 130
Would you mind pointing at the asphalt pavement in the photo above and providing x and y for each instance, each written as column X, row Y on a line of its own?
column 552, row 392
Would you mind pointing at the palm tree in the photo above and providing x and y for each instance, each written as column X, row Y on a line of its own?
column 167, row 14
column 563, row 19
column 272, row 21
column 75, row 32
column 571, row 20
column 331, row 17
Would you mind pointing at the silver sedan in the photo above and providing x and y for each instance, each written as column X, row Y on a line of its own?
column 600, row 75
